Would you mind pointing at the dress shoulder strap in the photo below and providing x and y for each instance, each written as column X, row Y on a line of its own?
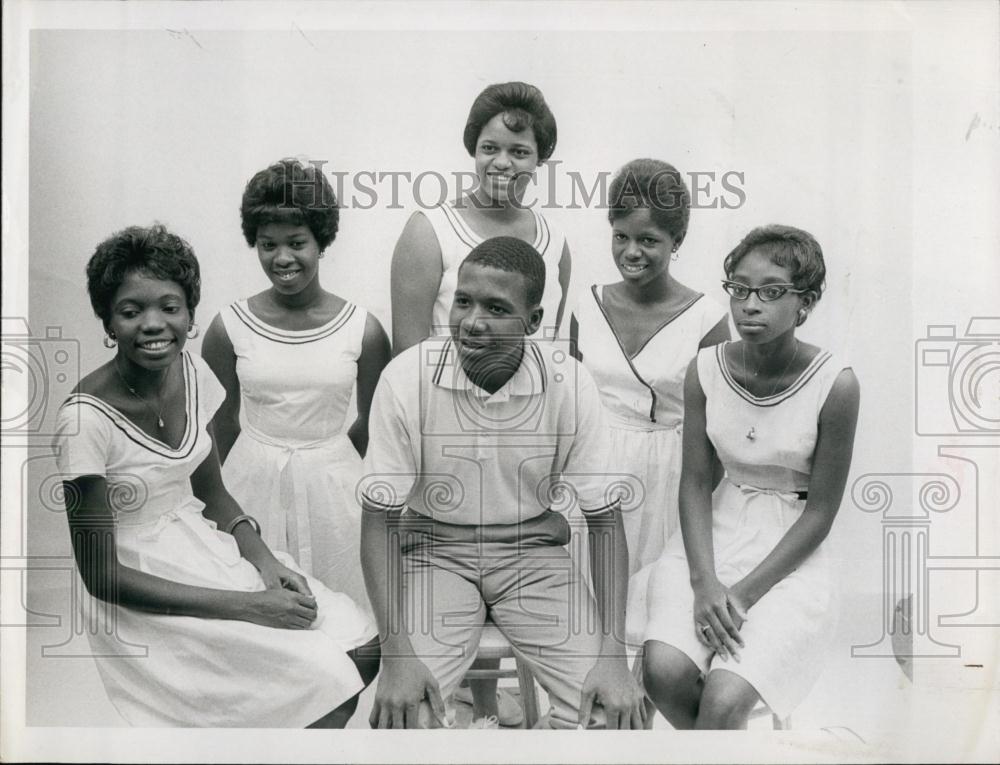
column 455, row 238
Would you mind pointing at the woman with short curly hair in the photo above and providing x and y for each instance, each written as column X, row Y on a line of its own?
column 509, row 133
column 233, row 634
column 289, row 358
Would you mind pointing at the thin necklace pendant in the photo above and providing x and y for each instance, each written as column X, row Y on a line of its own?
column 752, row 433
column 159, row 412
column 777, row 382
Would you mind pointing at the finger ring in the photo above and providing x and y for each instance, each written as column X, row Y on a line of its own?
column 704, row 628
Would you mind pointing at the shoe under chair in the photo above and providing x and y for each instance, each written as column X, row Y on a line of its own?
column 494, row 645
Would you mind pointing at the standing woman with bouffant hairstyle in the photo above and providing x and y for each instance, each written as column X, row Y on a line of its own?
column 509, row 133
column 234, row 634
column 636, row 337
column 779, row 414
column 290, row 358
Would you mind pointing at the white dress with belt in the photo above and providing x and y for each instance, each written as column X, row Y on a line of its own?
column 293, row 466
column 766, row 445
column 184, row 670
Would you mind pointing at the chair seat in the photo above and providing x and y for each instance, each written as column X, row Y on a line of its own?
column 493, row 644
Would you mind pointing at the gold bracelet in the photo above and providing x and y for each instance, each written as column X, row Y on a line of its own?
column 240, row 519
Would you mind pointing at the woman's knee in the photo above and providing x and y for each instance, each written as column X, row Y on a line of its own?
column 726, row 702
column 666, row 669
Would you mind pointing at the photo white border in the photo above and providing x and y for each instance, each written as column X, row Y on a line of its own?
column 924, row 20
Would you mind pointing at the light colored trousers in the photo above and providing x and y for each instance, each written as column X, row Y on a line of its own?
column 521, row 576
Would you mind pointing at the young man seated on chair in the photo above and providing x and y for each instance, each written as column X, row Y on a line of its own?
column 471, row 439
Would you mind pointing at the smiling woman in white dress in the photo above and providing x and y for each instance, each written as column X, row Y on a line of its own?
column 636, row 337
column 780, row 415
column 289, row 357
column 509, row 133
column 234, row 634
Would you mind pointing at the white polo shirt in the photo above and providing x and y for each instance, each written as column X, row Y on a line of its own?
column 449, row 450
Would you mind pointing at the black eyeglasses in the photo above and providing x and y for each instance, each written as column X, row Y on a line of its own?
column 766, row 293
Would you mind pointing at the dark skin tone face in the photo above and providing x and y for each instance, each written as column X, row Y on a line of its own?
column 490, row 317
column 150, row 320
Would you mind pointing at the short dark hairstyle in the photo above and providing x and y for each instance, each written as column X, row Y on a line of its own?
column 522, row 105
column 787, row 247
column 152, row 251
column 507, row 253
column 292, row 193
column 657, row 186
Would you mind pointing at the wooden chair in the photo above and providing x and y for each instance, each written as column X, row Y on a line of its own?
column 493, row 645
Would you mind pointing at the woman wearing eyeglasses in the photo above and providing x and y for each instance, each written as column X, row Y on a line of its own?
column 780, row 415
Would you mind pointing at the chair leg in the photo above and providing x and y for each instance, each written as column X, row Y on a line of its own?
column 526, row 683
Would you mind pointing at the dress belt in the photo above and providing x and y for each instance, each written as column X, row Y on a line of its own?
column 291, row 518
column 189, row 513
column 791, row 494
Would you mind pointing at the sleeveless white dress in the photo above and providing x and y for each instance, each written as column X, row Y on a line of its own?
column 644, row 398
column 196, row 671
column 457, row 239
column 293, row 467
column 766, row 445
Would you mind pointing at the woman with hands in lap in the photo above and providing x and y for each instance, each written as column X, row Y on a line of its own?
column 290, row 357
column 234, row 634
column 780, row 415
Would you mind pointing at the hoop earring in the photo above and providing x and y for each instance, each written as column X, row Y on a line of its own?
column 802, row 317
column 193, row 331
column 110, row 341
column 674, row 255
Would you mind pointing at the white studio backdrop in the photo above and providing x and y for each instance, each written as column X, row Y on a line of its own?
column 174, row 134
